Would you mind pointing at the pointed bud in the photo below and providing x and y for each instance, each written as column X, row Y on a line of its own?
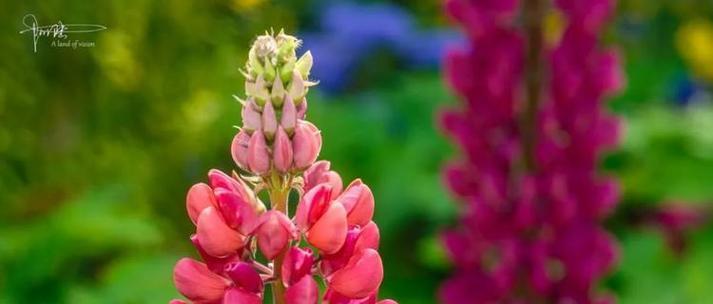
column 274, row 233
column 270, row 72
column 304, row 65
column 297, row 264
column 239, row 149
column 269, row 121
column 199, row 197
column 214, row 235
column 361, row 276
column 196, row 282
column 257, row 90
column 244, row 276
column 282, row 152
column 251, row 116
column 301, row 108
column 358, row 200
column 289, row 115
column 254, row 65
column 297, row 89
column 304, row 291
column 306, row 144
column 278, row 92
column 258, row 156
column 330, row 230
column 286, row 70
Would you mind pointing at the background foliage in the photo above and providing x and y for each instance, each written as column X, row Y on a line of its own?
column 99, row 145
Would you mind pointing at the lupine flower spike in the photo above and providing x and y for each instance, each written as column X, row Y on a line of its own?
column 247, row 245
column 533, row 199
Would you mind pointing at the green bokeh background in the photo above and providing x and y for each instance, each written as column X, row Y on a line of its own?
column 99, row 145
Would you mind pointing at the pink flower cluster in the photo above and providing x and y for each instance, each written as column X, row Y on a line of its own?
column 243, row 244
column 530, row 235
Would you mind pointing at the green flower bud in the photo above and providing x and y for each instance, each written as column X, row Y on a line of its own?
column 297, row 88
column 269, row 70
column 286, row 70
column 304, row 65
column 278, row 92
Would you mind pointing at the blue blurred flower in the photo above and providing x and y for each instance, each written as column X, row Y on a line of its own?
column 349, row 33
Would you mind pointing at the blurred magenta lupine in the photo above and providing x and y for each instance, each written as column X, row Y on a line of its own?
column 243, row 245
column 530, row 233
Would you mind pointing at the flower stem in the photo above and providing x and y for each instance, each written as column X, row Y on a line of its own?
column 279, row 194
column 533, row 12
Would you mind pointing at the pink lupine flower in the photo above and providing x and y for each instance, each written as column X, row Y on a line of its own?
column 245, row 244
column 532, row 196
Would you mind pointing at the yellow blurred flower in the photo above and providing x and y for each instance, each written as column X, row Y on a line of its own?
column 243, row 5
column 553, row 26
column 694, row 41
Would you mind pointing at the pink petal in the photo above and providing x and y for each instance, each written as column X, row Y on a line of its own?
column 312, row 205
column 319, row 173
column 361, row 276
column 237, row 211
column 305, row 291
column 258, row 157
column 237, row 296
column 239, row 149
column 216, row 238
column 388, row 301
column 306, row 144
column 216, row 265
column 176, row 301
column 199, row 197
column 297, row 264
column 274, row 233
column 251, row 117
column 368, row 237
column 282, row 152
column 244, row 276
column 289, row 115
column 197, row 283
column 329, row 232
column 269, row 120
column 358, row 200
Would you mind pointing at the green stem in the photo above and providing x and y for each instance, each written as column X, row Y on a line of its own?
column 279, row 194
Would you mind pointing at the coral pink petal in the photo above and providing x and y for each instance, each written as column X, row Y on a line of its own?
column 274, row 233
column 361, row 276
column 197, row 283
column 389, row 301
column 176, row 301
column 312, row 205
column 238, row 296
column 358, row 200
column 330, row 231
column 368, row 237
column 199, row 197
column 305, row 291
column 216, row 238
